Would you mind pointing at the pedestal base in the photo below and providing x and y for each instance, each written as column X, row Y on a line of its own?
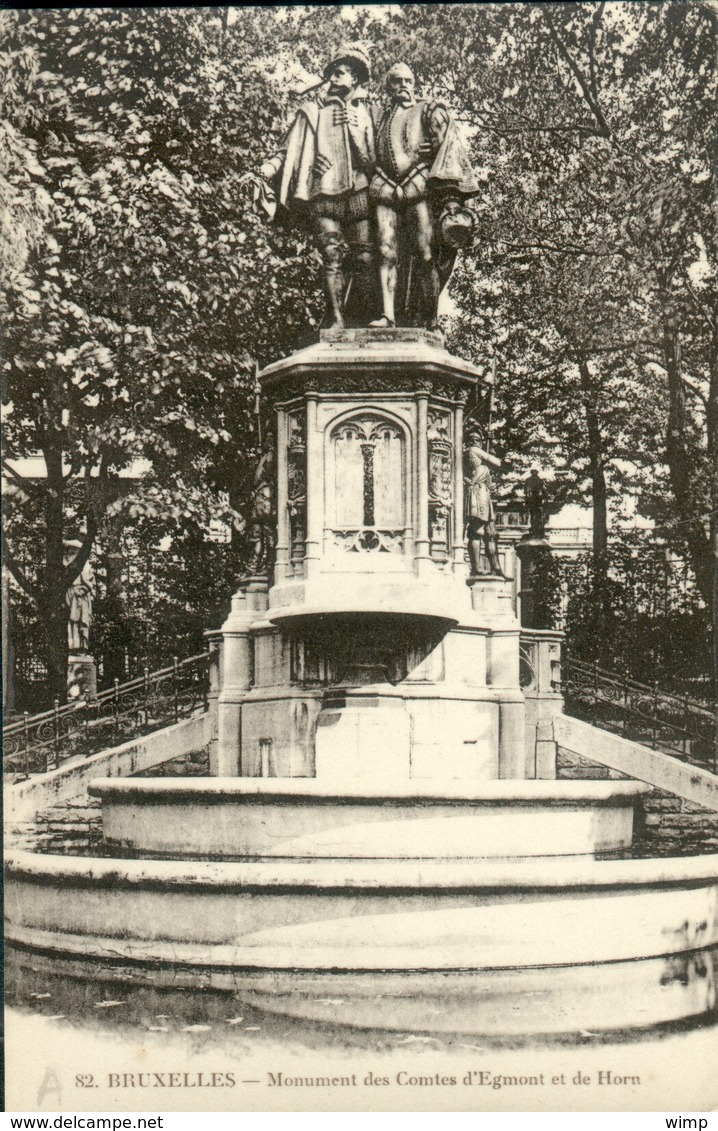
column 378, row 700
column 81, row 676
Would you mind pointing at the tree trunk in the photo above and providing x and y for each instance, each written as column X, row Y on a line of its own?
column 114, row 605
column 599, row 494
column 712, row 436
column 680, row 469
column 53, row 596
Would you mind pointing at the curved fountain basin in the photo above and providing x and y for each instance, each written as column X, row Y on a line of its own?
column 363, row 915
column 303, row 818
column 610, row 997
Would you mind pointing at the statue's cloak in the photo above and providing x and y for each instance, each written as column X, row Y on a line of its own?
column 348, row 147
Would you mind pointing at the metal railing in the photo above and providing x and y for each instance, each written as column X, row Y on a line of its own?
column 36, row 743
column 673, row 724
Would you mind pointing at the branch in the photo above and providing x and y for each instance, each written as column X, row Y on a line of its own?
column 27, row 586
column 592, row 48
column 706, row 309
column 27, row 484
column 613, row 349
column 576, row 248
column 695, row 388
column 576, row 72
column 692, row 383
column 581, row 127
column 74, row 568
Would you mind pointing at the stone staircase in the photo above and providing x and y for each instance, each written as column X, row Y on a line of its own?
column 74, row 827
column 670, row 825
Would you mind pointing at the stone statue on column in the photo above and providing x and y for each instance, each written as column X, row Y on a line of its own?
column 79, row 599
column 322, row 173
column 81, row 667
column 418, row 192
column 537, row 589
column 479, row 505
column 535, row 499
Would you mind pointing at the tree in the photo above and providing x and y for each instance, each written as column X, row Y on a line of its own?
column 593, row 126
column 142, row 286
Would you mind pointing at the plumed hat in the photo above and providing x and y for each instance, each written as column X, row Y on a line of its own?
column 350, row 53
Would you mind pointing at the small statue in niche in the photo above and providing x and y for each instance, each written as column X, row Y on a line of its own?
column 262, row 530
column 478, row 504
column 296, row 487
column 79, row 599
column 535, row 498
column 418, row 191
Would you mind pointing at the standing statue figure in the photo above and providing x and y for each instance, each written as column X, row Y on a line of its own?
column 263, row 519
column 478, row 504
column 418, row 191
column 535, row 498
column 323, row 172
column 79, row 599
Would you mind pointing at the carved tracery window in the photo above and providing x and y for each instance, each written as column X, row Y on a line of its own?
column 368, row 485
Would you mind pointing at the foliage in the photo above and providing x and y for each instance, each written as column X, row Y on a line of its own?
column 643, row 617
column 173, row 594
column 141, row 285
column 593, row 285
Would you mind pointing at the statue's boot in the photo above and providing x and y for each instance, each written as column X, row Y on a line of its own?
column 387, row 283
column 362, row 302
column 430, row 291
column 474, row 548
column 335, row 288
column 494, row 560
column 334, row 253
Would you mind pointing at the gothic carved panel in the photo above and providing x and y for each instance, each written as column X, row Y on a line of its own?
column 439, row 425
column 440, row 472
column 440, row 482
column 368, row 484
column 297, row 483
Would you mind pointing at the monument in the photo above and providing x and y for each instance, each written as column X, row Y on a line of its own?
column 380, row 644
column 322, row 175
column 375, row 800
column 419, row 188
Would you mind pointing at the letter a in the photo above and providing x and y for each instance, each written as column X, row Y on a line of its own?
column 50, row 1086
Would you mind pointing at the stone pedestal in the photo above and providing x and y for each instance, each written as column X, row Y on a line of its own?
column 248, row 603
column 534, row 554
column 81, row 676
column 370, row 657
column 541, row 686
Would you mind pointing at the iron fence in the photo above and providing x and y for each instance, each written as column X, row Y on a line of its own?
column 673, row 724
column 37, row 743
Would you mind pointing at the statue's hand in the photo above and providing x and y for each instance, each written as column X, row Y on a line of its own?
column 262, row 195
column 322, row 165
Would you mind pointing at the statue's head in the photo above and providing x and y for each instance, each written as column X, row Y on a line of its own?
column 346, row 70
column 473, row 434
column 400, row 84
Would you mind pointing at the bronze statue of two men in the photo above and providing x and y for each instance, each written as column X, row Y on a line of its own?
column 384, row 191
